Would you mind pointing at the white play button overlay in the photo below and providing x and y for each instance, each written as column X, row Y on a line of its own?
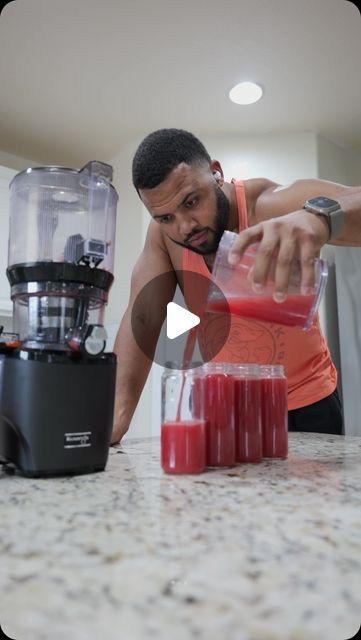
column 163, row 320
column 179, row 320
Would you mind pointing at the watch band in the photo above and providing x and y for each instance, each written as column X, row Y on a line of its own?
column 335, row 218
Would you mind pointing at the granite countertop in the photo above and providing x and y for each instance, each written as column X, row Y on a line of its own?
column 256, row 552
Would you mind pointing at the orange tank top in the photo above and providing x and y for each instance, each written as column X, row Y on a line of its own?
column 311, row 374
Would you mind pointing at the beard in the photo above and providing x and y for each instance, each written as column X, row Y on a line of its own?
column 220, row 225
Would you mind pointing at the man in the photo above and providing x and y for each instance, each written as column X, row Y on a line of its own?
column 190, row 206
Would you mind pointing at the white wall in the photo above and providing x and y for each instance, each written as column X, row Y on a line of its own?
column 337, row 164
column 341, row 306
column 354, row 168
column 129, row 238
column 16, row 162
column 132, row 224
column 6, row 306
column 282, row 158
column 9, row 166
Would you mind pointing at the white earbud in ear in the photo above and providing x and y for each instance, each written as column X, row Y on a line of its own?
column 217, row 175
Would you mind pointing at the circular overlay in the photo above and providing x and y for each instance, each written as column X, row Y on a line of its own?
column 151, row 320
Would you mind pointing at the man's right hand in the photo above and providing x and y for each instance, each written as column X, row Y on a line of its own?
column 295, row 235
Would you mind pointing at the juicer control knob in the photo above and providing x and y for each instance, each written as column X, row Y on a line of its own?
column 95, row 340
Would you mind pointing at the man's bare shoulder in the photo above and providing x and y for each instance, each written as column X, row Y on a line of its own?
column 158, row 241
column 154, row 238
column 254, row 189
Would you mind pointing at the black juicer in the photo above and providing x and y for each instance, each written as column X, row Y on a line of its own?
column 57, row 384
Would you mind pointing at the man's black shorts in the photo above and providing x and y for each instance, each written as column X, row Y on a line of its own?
column 324, row 416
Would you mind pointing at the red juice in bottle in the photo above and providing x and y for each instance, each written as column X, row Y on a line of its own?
column 274, row 411
column 247, row 412
column 183, row 448
column 219, row 416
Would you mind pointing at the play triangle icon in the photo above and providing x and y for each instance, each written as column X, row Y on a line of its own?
column 179, row 320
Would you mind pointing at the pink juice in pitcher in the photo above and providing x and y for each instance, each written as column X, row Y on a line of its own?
column 294, row 311
column 235, row 284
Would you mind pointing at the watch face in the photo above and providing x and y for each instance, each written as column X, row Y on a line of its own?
column 323, row 202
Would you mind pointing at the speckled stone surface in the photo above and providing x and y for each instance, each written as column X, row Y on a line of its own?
column 257, row 552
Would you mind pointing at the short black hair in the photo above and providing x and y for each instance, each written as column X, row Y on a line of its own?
column 163, row 150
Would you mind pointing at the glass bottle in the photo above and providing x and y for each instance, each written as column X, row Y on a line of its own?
column 247, row 412
column 183, row 448
column 219, row 415
column 274, row 411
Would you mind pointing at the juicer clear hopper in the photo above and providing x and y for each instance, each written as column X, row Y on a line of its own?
column 61, row 253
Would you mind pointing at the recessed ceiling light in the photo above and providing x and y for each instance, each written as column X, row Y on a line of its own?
column 246, row 93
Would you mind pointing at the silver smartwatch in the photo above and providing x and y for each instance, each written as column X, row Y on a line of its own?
column 329, row 209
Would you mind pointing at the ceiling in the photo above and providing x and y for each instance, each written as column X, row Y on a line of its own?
column 81, row 78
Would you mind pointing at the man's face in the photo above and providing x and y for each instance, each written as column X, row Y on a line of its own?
column 191, row 208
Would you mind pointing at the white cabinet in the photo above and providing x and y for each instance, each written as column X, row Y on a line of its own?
column 6, row 175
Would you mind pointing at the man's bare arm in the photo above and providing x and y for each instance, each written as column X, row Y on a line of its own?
column 282, row 225
column 132, row 364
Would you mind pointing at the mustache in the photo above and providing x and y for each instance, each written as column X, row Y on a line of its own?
column 195, row 233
